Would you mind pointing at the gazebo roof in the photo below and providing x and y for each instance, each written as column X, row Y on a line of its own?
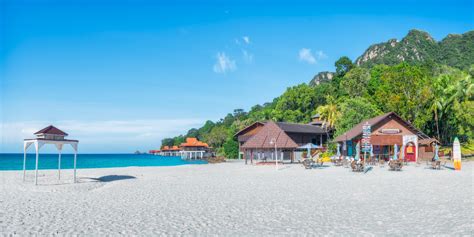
column 51, row 130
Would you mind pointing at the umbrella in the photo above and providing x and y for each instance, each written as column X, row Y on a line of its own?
column 338, row 152
column 395, row 152
column 309, row 146
column 357, row 156
column 436, row 157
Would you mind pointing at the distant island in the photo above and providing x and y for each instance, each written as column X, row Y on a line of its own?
column 426, row 82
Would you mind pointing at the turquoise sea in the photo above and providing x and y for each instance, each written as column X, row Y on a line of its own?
column 50, row 161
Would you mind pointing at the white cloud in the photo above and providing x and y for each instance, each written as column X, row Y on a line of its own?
column 248, row 57
column 306, row 55
column 321, row 55
column 100, row 136
column 246, row 39
column 224, row 64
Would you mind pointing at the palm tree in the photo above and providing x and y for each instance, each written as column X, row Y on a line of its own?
column 329, row 113
column 437, row 105
column 465, row 87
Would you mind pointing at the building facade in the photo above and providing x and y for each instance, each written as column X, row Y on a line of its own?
column 267, row 141
column 386, row 131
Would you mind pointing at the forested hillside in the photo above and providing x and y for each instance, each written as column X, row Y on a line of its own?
column 419, row 47
column 435, row 95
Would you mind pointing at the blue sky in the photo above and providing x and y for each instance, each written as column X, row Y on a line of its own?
column 121, row 75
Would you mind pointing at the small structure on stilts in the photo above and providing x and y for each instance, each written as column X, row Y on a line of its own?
column 194, row 149
column 49, row 135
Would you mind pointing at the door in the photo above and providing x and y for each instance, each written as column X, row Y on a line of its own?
column 410, row 152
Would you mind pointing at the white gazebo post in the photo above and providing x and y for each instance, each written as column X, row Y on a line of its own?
column 75, row 159
column 24, row 164
column 25, row 147
column 60, row 148
column 36, row 166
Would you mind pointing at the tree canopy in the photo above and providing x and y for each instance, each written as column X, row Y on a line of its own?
column 435, row 98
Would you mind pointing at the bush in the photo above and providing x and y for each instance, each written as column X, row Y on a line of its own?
column 231, row 149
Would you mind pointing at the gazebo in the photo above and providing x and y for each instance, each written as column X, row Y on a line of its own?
column 49, row 135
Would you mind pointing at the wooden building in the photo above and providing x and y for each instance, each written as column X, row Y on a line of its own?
column 386, row 131
column 277, row 140
column 246, row 133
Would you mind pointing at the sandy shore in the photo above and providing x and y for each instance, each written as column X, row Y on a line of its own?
column 233, row 199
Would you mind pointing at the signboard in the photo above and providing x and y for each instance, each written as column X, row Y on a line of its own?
column 390, row 131
column 366, row 130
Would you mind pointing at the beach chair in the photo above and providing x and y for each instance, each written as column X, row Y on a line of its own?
column 381, row 163
column 357, row 166
column 436, row 164
column 346, row 163
column 395, row 165
column 339, row 161
column 308, row 163
column 317, row 159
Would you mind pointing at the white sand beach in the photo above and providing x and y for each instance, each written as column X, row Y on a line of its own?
column 232, row 199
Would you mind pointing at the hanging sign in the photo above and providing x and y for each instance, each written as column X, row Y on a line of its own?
column 366, row 130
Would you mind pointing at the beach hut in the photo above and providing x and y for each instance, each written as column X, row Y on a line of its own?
column 387, row 130
column 300, row 134
column 245, row 134
column 49, row 135
column 288, row 137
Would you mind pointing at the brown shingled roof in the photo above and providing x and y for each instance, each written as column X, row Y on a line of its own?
column 300, row 128
column 270, row 131
column 357, row 130
column 51, row 130
column 244, row 130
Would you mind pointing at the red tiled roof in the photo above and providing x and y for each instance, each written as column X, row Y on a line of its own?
column 51, row 130
column 193, row 142
column 175, row 148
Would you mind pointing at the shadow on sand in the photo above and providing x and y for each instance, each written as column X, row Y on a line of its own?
column 449, row 168
column 319, row 166
column 111, row 178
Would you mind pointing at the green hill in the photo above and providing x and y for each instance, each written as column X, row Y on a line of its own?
column 419, row 47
